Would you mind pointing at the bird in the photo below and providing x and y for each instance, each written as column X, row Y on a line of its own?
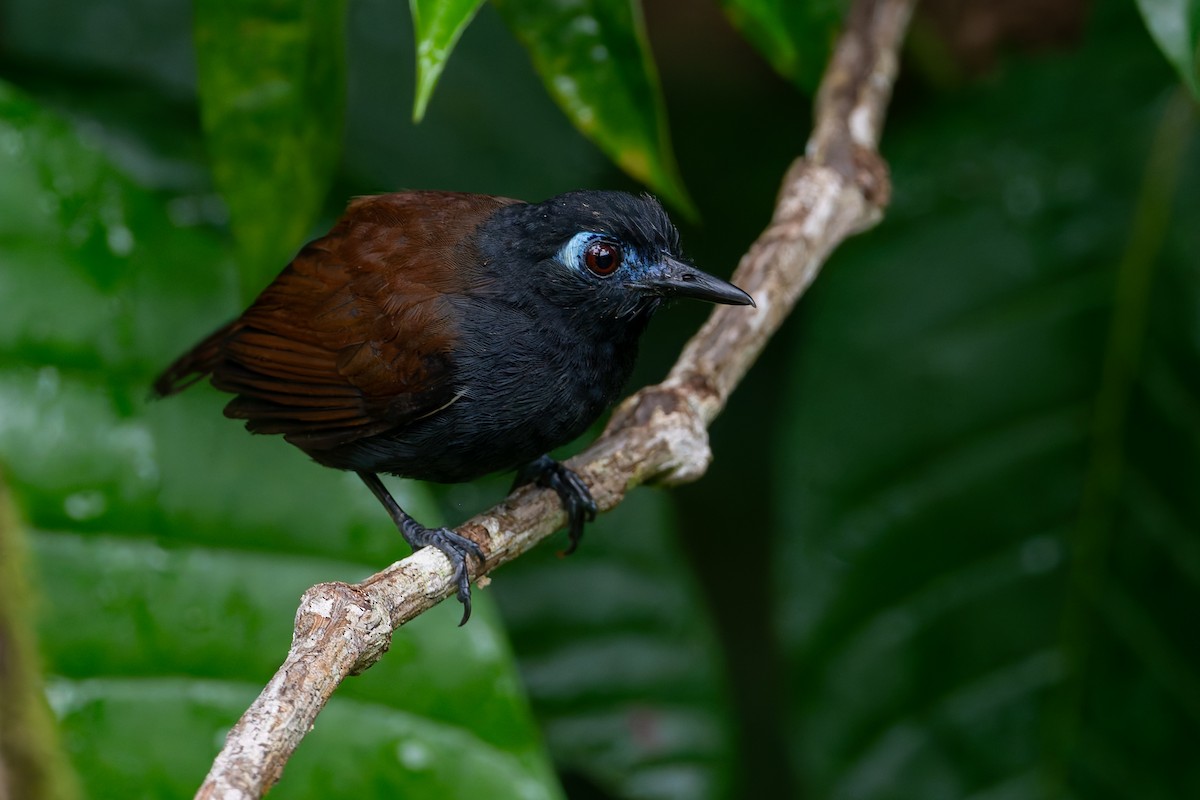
column 443, row 336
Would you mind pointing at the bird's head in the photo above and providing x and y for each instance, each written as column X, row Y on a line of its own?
column 615, row 254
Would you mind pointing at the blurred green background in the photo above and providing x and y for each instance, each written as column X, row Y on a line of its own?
column 950, row 543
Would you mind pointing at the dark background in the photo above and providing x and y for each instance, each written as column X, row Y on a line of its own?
column 948, row 546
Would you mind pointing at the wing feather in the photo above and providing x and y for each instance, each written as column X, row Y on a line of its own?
column 356, row 336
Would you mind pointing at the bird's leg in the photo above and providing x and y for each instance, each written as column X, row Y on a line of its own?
column 456, row 548
column 571, row 490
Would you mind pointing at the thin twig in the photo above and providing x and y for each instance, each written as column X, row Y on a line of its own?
column 840, row 187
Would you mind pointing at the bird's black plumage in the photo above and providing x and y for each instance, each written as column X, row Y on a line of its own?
column 445, row 336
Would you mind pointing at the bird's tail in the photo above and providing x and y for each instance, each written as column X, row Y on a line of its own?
column 194, row 365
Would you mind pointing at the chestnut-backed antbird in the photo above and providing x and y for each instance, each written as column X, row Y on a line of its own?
column 445, row 336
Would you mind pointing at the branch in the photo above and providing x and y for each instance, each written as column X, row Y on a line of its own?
column 659, row 434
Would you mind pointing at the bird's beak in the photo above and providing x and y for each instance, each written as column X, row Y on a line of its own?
column 677, row 279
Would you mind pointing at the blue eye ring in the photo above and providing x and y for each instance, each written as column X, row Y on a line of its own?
column 602, row 258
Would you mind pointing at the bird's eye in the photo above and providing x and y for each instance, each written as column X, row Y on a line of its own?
column 602, row 258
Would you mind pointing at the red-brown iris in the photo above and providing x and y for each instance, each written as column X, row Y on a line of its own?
column 602, row 258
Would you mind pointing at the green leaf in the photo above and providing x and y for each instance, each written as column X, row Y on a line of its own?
column 172, row 547
column 595, row 61
column 621, row 659
column 795, row 37
column 989, row 564
column 272, row 85
column 1175, row 26
column 437, row 24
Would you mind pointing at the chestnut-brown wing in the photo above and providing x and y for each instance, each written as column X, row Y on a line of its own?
column 356, row 336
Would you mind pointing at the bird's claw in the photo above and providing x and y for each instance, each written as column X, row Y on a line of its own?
column 576, row 499
column 574, row 494
column 456, row 548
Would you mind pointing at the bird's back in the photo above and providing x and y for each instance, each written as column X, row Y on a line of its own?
column 355, row 337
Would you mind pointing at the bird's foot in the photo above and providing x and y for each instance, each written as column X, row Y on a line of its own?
column 577, row 501
column 455, row 547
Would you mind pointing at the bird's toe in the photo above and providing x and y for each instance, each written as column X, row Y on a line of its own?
column 572, row 492
column 456, row 548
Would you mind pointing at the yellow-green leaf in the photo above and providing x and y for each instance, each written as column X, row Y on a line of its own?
column 595, row 61
column 1175, row 26
column 795, row 37
column 437, row 24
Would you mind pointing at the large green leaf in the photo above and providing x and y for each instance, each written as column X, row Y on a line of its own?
column 595, row 61
column 437, row 24
column 173, row 547
column 620, row 659
column 795, row 37
column 272, row 84
column 1175, row 25
column 991, row 559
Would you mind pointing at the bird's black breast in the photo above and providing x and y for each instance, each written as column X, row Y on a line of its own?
column 527, row 379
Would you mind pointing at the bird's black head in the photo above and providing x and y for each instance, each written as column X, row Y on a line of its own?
column 615, row 254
